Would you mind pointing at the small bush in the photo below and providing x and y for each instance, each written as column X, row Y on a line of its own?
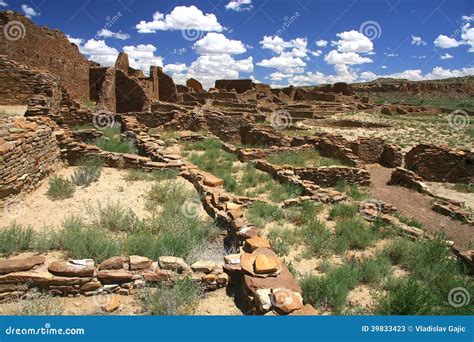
column 316, row 236
column 353, row 191
column 465, row 187
column 281, row 240
column 343, row 210
column 373, row 270
column 80, row 241
column 330, row 290
column 261, row 213
column 35, row 303
column 305, row 158
column 114, row 217
column 406, row 297
column 203, row 145
column 60, row 188
column 178, row 299
column 409, row 221
column 172, row 193
column 353, row 233
column 88, row 171
column 15, row 238
column 156, row 175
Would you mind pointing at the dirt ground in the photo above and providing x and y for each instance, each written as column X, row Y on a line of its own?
column 39, row 211
column 415, row 205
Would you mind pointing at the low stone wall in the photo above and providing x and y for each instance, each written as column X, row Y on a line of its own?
column 121, row 275
column 331, row 175
column 407, row 178
column 441, row 164
column 28, row 153
column 266, row 282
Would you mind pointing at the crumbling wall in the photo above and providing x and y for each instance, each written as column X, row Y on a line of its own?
column 130, row 96
column 331, row 175
column 167, row 88
column 41, row 47
column 441, row 164
column 240, row 86
column 28, row 153
column 102, row 88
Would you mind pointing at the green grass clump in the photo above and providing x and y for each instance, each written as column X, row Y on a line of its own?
column 88, row 171
column 433, row 273
column 353, row 233
column 354, row 191
column 178, row 299
column 260, row 213
column 373, row 270
column 156, row 175
column 407, row 297
column 111, row 141
column 35, row 303
column 15, row 238
column 60, row 188
column 81, row 241
column 281, row 240
column 316, row 236
column 305, row 158
column 464, row 187
column 343, row 210
column 409, row 221
column 114, row 217
column 330, row 290
column 203, row 145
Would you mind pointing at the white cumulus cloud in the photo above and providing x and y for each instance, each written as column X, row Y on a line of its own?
column 445, row 42
column 143, row 56
column 353, row 41
column 109, row 34
column 446, row 56
column 334, row 57
column 216, row 43
column 180, row 18
column 29, row 11
column 321, row 43
column 416, row 40
column 239, row 5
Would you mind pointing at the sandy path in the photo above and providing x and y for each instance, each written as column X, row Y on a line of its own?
column 415, row 205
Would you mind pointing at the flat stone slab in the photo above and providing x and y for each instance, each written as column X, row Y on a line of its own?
column 17, row 265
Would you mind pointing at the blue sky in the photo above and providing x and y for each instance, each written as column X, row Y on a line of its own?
column 273, row 41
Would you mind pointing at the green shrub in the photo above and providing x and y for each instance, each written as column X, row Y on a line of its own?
column 354, row 191
column 203, row 145
column 373, row 270
column 81, row 241
column 409, row 221
column 305, row 158
column 156, row 175
column 282, row 239
column 353, row 233
column 260, row 213
column 15, row 238
column 330, row 290
column 60, row 188
column 406, row 297
column 115, row 144
column 114, row 217
column 35, row 303
column 343, row 210
column 178, row 299
column 88, row 171
column 316, row 236
column 465, row 187
column 171, row 193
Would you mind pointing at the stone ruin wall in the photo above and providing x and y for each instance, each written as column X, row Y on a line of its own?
column 28, row 153
column 441, row 164
column 46, row 49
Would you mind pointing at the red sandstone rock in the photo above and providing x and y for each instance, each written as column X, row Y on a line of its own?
column 69, row 269
column 194, row 84
column 16, row 265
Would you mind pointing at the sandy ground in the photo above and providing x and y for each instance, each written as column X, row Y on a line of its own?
column 39, row 211
column 219, row 302
column 13, row 110
column 444, row 190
